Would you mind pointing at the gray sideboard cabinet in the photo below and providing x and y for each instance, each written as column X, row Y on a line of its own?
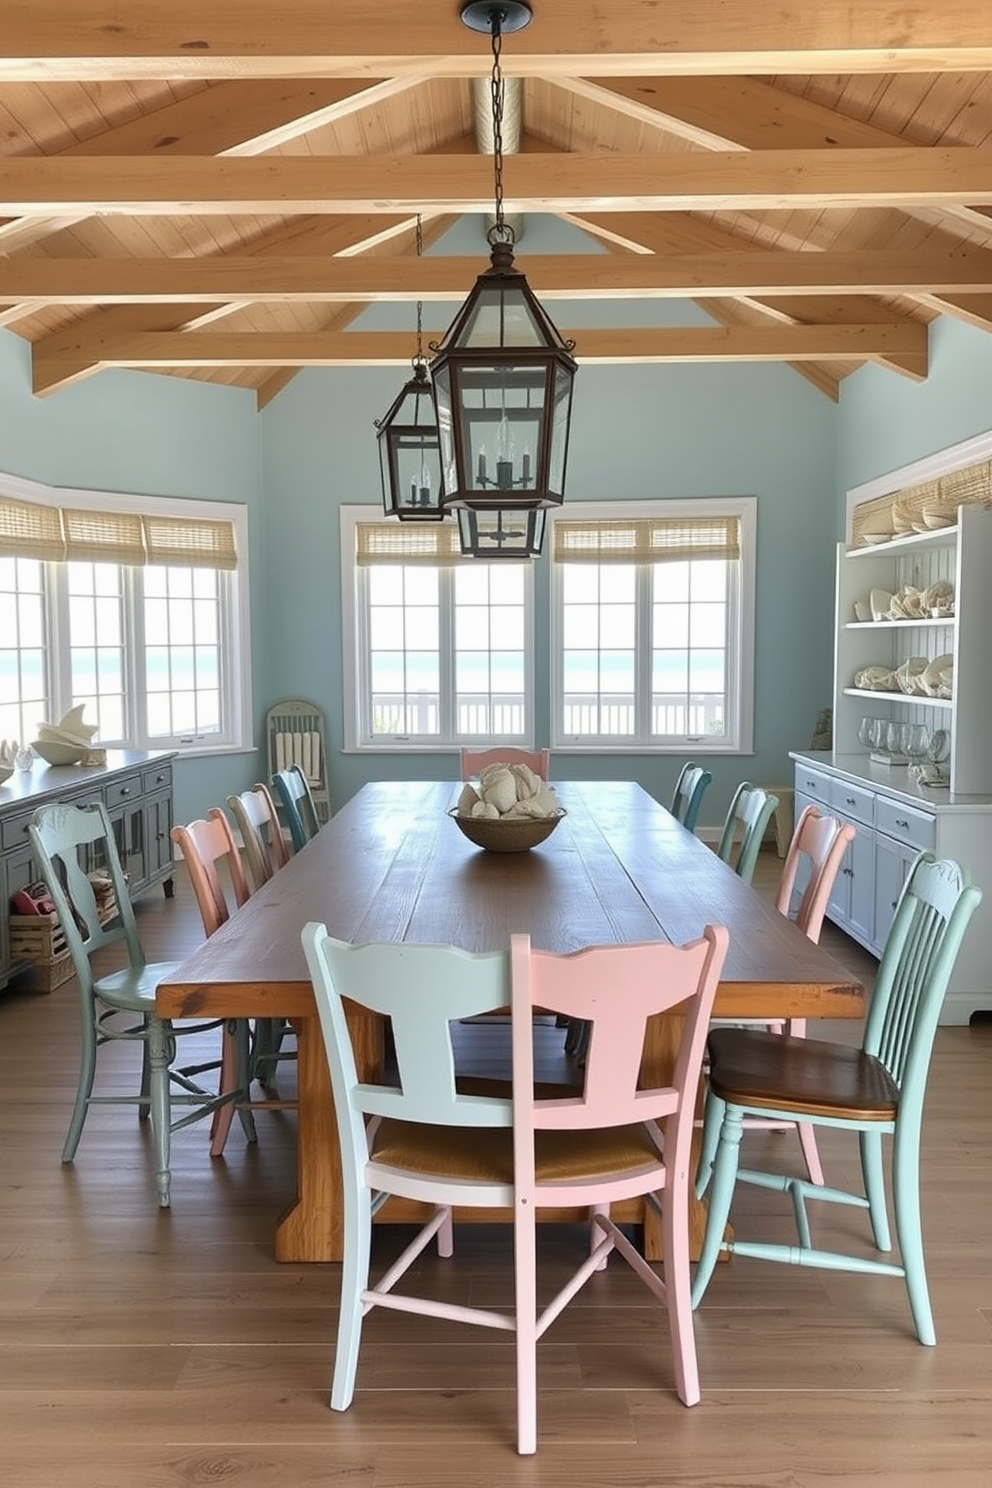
column 136, row 788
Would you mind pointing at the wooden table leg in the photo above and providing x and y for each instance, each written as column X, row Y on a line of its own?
column 311, row 1229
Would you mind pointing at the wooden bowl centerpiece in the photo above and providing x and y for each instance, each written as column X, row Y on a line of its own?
column 507, row 833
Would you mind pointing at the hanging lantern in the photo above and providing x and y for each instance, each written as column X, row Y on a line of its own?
column 501, row 533
column 409, row 454
column 502, row 375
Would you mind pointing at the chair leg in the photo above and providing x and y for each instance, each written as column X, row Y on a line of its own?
column 811, row 1153
column 721, row 1193
column 351, row 1310
column 873, row 1172
column 906, row 1202
column 161, row 1051
column 84, row 1089
column 525, row 1303
column 678, row 1294
column 712, row 1122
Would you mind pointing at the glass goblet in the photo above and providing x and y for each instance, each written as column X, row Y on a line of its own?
column 864, row 732
column 916, row 742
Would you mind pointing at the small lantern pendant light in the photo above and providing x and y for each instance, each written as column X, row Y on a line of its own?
column 503, row 374
column 409, row 453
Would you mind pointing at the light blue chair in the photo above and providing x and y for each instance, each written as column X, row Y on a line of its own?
column 876, row 1091
column 689, row 790
column 293, row 794
column 68, row 842
column 744, row 829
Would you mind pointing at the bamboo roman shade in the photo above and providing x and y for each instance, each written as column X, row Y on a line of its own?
column 897, row 511
column 380, row 542
column 70, row 534
column 646, row 539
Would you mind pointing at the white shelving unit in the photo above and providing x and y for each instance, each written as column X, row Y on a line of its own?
column 895, row 818
column 962, row 554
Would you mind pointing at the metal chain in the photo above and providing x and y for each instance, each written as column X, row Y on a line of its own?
column 420, row 304
column 501, row 232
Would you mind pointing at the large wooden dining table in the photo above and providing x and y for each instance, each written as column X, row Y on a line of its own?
column 392, row 866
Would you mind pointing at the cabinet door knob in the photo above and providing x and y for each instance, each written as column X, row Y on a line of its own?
column 903, row 824
column 850, row 801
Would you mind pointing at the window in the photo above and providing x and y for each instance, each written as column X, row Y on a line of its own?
column 134, row 607
column 653, row 624
column 438, row 647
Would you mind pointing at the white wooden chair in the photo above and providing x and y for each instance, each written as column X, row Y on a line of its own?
column 294, row 730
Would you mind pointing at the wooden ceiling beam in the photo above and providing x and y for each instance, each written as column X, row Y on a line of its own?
column 47, row 40
column 392, row 348
column 275, row 279
column 721, row 181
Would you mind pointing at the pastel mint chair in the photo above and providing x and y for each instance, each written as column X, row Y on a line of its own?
column 744, row 829
column 474, row 761
column 69, row 842
column 292, row 792
column 876, row 1090
column 427, row 1139
column 688, row 794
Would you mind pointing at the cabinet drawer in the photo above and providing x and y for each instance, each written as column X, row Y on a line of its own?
column 14, row 830
column 906, row 823
column 119, row 792
column 812, row 783
column 158, row 779
column 853, row 801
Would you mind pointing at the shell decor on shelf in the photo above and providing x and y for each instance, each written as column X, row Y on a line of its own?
column 65, row 742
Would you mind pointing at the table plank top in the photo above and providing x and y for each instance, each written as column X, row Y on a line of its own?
column 391, row 865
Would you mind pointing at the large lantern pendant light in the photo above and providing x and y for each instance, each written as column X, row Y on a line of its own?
column 409, row 453
column 503, row 374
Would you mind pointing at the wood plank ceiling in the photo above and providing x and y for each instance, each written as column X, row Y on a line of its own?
column 217, row 191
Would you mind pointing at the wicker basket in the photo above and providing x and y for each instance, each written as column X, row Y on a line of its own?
column 507, row 834
column 40, row 939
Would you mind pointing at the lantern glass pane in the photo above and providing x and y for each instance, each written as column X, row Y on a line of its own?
column 500, row 316
column 501, row 409
column 560, row 413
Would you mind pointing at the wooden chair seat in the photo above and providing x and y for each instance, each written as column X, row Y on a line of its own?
column 782, row 1073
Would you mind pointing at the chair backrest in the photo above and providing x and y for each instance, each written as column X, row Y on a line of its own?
column 820, row 842
column 654, row 977
column 688, row 794
column 423, row 991
column 744, row 829
column 931, row 917
column 206, row 846
column 293, row 793
column 474, row 761
column 258, row 821
column 295, row 735
column 69, row 843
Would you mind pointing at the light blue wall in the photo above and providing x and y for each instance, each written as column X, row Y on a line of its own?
column 157, row 436
column 886, row 421
column 637, row 432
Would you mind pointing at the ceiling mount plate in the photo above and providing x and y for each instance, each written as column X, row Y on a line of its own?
column 514, row 15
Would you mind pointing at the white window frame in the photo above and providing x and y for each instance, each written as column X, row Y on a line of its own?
column 354, row 612
column 235, row 645
column 740, row 656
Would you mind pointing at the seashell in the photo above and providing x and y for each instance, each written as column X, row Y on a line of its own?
column 468, row 798
column 938, row 679
column 498, row 786
column 876, row 679
column 862, row 610
column 912, row 602
column 528, row 784
column 484, row 809
column 909, row 673
column 879, row 600
column 545, row 803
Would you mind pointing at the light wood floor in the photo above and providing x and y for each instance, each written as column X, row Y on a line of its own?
column 149, row 1349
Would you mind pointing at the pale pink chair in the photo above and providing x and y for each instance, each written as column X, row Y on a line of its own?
column 474, row 761
column 427, row 1139
column 815, row 854
column 213, row 863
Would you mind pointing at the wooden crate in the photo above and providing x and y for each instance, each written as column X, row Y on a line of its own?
column 40, row 940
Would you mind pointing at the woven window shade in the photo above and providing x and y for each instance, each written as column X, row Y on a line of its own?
column 103, row 537
column 69, row 534
column 896, row 512
column 380, row 543
column 186, row 544
column 29, row 531
column 647, row 540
